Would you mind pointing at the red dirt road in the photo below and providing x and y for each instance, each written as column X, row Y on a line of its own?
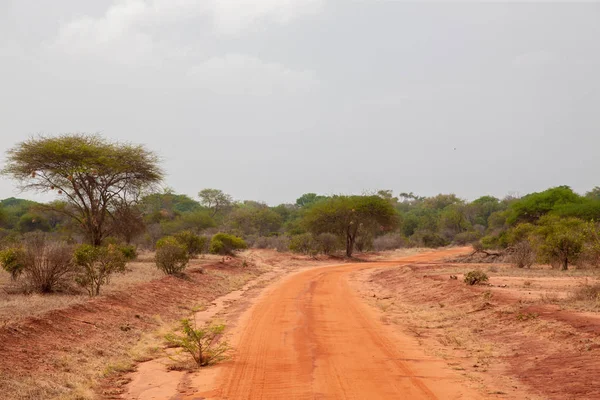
column 311, row 336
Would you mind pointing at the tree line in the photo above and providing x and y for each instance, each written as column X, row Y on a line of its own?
column 109, row 193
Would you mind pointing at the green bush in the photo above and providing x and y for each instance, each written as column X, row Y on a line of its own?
column 475, row 277
column 202, row 344
column 97, row 265
column 225, row 244
column 195, row 244
column 129, row 252
column 303, row 243
column 12, row 261
column 171, row 256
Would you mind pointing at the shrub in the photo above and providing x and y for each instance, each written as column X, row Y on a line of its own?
column 41, row 264
column 279, row 243
column 391, row 241
column 225, row 244
column 587, row 293
column 129, row 252
column 364, row 242
column 202, row 344
column 328, row 243
column 475, row 277
column 97, row 265
column 11, row 260
column 433, row 240
column 195, row 244
column 523, row 255
column 303, row 243
column 560, row 241
column 171, row 256
column 464, row 238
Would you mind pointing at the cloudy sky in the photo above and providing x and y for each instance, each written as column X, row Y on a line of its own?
column 268, row 99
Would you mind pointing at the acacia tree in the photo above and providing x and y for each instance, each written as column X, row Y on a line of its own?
column 351, row 216
column 215, row 200
column 561, row 240
column 91, row 174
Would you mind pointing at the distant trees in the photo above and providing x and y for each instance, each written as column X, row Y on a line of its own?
column 308, row 199
column 215, row 200
column 254, row 219
column 351, row 216
column 532, row 207
column 94, row 176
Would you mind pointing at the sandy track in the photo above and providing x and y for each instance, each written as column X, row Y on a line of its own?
column 312, row 337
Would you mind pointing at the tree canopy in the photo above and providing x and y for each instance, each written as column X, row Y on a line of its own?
column 90, row 173
column 350, row 217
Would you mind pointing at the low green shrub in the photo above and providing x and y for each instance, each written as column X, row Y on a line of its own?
column 129, row 252
column 97, row 264
column 203, row 344
column 225, row 244
column 303, row 243
column 172, row 256
column 12, row 261
column 195, row 244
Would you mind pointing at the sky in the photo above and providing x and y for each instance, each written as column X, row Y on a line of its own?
column 269, row 99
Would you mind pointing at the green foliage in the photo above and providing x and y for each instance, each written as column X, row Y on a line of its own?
column 203, row 344
column 480, row 210
column 349, row 217
column 560, row 241
column 30, row 222
column 255, row 219
column 215, row 200
column 303, row 243
column 593, row 194
column 475, row 277
column 167, row 205
column 195, row 221
column 520, row 233
column 194, row 244
column 308, row 199
column 12, row 261
column 587, row 209
column 97, row 265
column 90, row 173
column 129, row 252
column 535, row 205
column 225, row 244
column 171, row 255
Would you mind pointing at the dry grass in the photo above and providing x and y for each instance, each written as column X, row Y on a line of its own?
column 15, row 306
column 79, row 372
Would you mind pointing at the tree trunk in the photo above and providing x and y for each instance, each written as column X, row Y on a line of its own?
column 565, row 263
column 349, row 245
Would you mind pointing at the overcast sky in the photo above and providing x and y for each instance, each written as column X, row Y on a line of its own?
column 269, row 99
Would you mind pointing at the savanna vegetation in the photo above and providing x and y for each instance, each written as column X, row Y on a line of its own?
column 109, row 203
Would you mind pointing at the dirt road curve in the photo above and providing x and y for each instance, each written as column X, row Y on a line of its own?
column 313, row 337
